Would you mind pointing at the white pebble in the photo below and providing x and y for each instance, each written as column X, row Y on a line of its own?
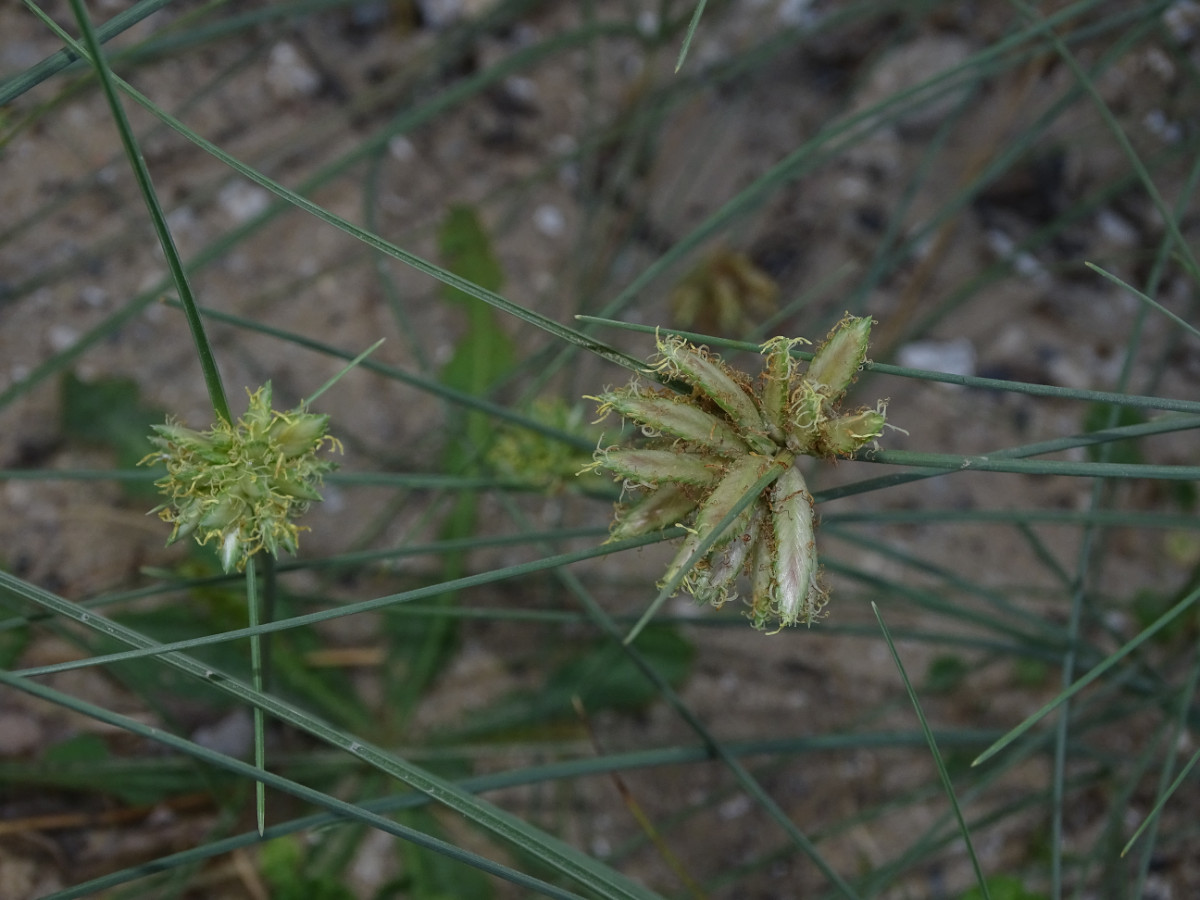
column 288, row 75
column 549, row 220
column 93, row 295
column 242, row 201
column 62, row 337
column 401, row 148
column 955, row 357
column 1182, row 20
column 1116, row 228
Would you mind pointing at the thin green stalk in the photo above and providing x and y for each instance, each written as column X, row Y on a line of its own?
column 588, row 766
column 955, row 462
column 246, row 770
column 153, row 648
column 1045, row 28
column 937, row 756
column 373, row 240
column 1162, row 426
column 968, row 381
column 428, row 385
column 1149, row 301
column 691, row 32
column 1165, row 792
column 716, row 747
column 208, row 363
column 549, row 850
column 256, row 679
column 1152, row 816
column 1158, row 625
column 14, row 87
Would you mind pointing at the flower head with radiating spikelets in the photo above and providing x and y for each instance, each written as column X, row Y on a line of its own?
column 707, row 450
column 242, row 484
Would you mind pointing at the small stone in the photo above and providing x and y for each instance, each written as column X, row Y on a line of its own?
column 910, row 65
column 1116, row 229
column 288, row 75
column 401, row 149
column 62, row 337
column 242, row 201
column 955, row 357
column 231, row 735
column 549, row 220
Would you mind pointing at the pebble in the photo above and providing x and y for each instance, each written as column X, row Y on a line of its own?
column 242, row 201
column 288, row 75
column 549, row 220
column 231, row 735
column 401, row 149
column 62, row 337
column 955, row 357
column 910, row 65
column 1183, row 20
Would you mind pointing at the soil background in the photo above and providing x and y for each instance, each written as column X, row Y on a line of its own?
column 579, row 198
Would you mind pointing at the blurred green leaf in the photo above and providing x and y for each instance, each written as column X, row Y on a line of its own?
column 482, row 357
column 602, row 682
column 84, row 763
column 109, row 413
column 282, row 865
column 83, row 748
column 1004, row 887
column 434, row 876
column 485, row 354
column 1030, row 673
column 12, row 644
column 946, row 674
column 1098, row 417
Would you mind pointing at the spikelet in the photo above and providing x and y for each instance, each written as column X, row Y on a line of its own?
column 660, row 414
column 738, row 481
column 837, row 361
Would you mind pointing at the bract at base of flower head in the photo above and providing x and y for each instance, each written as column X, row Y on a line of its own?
column 242, row 484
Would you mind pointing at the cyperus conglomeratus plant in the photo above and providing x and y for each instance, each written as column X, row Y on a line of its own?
column 707, row 449
column 243, row 484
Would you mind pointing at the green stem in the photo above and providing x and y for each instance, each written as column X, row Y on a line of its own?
column 212, row 377
column 256, row 680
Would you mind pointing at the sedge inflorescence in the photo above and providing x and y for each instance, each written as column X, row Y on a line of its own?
column 242, row 484
column 706, row 450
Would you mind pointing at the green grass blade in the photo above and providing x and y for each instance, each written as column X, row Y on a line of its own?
column 691, row 31
column 208, row 363
column 937, row 756
column 62, row 608
column 1149, row 301
column 253, row 608
column 376, row 242
column 247, row 770
column 1165, row 619
column 13, row 87
column 540, row 845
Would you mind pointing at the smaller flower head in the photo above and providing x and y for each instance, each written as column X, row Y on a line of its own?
column 242, row 484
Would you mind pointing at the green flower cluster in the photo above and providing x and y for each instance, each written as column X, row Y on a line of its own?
column 242, row 484
column 536, row 459
column 707, row 449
